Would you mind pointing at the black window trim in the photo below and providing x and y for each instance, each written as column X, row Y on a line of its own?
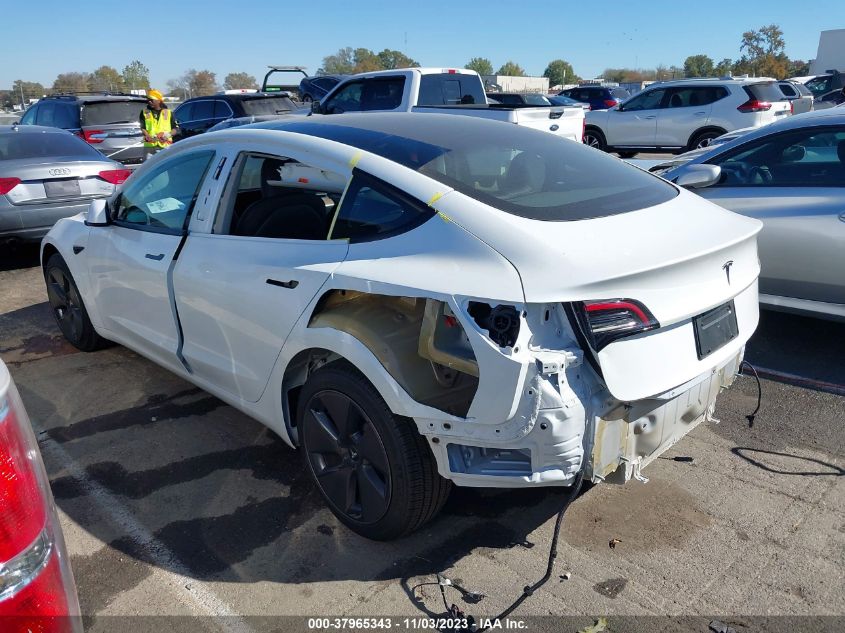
column 816, row 129
column 362, row 178
column 161, row 229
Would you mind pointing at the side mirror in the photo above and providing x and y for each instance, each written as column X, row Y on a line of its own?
column 699, row 176
column 315, row 108
column 98, row 213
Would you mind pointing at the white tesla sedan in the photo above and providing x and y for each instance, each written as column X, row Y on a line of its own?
column 416, row 299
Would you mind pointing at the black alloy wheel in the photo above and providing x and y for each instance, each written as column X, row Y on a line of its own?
column 68, row 307
column 65, row 302
column 347, row 457
column 374, row 469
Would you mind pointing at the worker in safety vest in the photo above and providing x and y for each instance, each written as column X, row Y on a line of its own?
column 157, row 123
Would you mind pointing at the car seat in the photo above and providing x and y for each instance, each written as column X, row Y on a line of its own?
column 283, row 212
column 675, row 101
column 526, row 174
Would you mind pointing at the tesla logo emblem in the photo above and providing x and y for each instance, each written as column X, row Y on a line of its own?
column 60, row 171
column 727, row 268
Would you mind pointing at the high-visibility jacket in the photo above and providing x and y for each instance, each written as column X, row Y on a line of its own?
column 155, row 126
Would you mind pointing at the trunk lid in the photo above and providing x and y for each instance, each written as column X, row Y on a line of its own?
column 563, row 121
column 59, row 180
column 672, row 258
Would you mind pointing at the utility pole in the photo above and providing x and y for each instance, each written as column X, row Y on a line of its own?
column 23, row 105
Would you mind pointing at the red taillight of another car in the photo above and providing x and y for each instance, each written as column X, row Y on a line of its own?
column 7, row 184
column 609, row 320
column 36, row 585
column 609, row 103
column 754, row 105
column 94, row 136
column 115, row 176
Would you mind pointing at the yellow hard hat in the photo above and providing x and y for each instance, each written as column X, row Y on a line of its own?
column 155, row 94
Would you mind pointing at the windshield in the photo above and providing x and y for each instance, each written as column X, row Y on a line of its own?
column 112, row 112
column 524, row 172
column 268, row 105
column 14, row 145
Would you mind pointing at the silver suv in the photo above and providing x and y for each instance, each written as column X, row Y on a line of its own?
column 107, row 122
column 682, row 115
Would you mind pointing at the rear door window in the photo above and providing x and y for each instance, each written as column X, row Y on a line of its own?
column 222, row 110
column 373, row 210
column 184, row 113
column 450, row 89
column 203, row 110
column 46, row 114
column 788, row 90
column 111, row 112
column 67, row 116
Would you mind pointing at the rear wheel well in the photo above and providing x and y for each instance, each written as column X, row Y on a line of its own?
column 702, row 131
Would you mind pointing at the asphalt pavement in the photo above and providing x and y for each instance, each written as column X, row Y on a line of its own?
column 174, row 504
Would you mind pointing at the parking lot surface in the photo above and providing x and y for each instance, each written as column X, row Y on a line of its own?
column 173, row 503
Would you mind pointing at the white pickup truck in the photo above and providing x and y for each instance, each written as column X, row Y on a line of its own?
column 447, row 91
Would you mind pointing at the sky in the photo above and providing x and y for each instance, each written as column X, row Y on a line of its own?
column 172, row 37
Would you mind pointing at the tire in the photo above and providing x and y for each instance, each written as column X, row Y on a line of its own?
column 374, row 470
column 594, row 138
column 306, row 98
column 68, row 308
column 626, row 154
column 702, row 139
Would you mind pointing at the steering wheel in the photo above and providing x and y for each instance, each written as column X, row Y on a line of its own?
column 759, row 175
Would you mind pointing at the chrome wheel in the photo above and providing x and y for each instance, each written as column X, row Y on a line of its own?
column 65, row 303
column 592, row 141
column 347, row 456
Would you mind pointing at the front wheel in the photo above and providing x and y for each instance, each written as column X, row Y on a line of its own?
column 594, row 138
column 373, row 468
column 307, row 98
column 68, row 308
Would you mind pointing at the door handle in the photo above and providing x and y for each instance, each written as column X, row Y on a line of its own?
column 293, row 283
column 157, row 258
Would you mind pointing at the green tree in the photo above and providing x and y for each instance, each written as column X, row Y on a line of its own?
column 71, row 82
column 723, row 67
column 560, row 72
column 341, row 63
column 698, row 66
column 481, row 65
column 136, row 76
column 396, row 59
column 366, row 61
column 236, row 81
column 26, row 90
column 202, row 82
column 106, row 78
column 763, row 52
column 511, row 69
column 798, row 68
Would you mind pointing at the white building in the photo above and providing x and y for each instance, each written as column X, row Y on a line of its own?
column 506, row 83
column 831, row 53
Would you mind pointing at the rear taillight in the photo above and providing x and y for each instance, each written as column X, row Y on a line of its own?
column 583, row 127
column 611, row 319
column 36, row 585
column 755, row 105
column 115, row 176
column 609, row 103
column 7, row 184
column 94, row 136
column 791, row 107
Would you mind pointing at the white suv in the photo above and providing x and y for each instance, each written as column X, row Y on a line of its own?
column 683, row 115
